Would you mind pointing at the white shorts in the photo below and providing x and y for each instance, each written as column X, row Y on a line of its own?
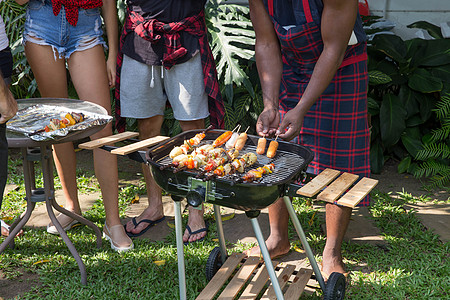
column 182, row 85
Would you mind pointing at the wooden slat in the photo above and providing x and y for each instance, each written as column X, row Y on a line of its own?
column 239, row 279
column 257, row 283
column 358, row 192
column 108, row 140
column 298, row 284
column 139, row 145
column 318, row 183
column 337, row 188
column 216, row 283
column 283, row 278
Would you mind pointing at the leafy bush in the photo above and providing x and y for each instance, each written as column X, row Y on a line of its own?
column 406, row 79
column 435, row 155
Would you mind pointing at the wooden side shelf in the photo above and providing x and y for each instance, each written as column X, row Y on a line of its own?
column 332, row 187
column 248, row 278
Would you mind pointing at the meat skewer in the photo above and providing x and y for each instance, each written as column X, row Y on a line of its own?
column 189, row 144
column 257, row 173
column 261, row 148
column 272, row 150
column 242, row 139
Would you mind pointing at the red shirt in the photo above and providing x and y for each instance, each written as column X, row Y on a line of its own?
column 72, row 6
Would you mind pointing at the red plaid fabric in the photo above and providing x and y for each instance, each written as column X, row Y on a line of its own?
column 335, row 127
column 71, row 7
column 155, row 31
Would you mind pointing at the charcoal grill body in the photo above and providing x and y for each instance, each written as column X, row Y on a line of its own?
column 290, row 162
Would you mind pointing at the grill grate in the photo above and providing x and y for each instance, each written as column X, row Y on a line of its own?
column 285, row 162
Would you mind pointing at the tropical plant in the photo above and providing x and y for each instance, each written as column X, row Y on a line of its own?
column 436, row 150
column 406, row 79
column 23, row 83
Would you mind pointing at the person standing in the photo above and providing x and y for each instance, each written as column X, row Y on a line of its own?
column 312, row 63
column 70, row 31
column 8, row 108
column 166, row 56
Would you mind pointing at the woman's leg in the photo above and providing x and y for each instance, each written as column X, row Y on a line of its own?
column 50, row 74
column 88, row 73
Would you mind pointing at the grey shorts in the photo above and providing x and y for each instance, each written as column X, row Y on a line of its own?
column 145, row 89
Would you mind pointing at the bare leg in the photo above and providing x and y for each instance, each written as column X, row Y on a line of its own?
column 149, row 128
column 337, row 219
column 278, row 240
column 195, row 220
column 88, row 72
column 51, row 78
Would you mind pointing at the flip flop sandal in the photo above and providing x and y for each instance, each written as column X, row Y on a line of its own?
column 135, row 223
column 204, row 229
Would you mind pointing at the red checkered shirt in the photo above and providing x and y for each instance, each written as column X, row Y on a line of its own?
column 155, row 31
column 71, row 7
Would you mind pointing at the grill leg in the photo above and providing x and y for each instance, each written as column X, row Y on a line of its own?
column 267, row 260
column 220, row 234
column 302, row 236
column 180, row 249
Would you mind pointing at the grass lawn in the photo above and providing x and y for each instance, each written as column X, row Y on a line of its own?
column 415, row 265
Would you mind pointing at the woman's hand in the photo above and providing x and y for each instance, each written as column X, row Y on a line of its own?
column 111, row 71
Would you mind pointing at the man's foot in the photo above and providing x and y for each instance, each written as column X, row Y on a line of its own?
column 276, row 248
column 5, row 229
column 196, row 224
column 138, row 229
column 332, row 262
column 66, row 222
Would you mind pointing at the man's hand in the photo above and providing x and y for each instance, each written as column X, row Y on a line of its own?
column 291, row 124
column 268, row 122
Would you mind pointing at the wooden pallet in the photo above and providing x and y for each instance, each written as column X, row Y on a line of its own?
column 248, row 278
column 332, row 187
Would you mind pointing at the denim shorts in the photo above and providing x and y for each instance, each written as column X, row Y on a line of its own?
column 42, row 27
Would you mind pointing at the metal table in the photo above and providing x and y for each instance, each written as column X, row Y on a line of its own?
column 33, row 151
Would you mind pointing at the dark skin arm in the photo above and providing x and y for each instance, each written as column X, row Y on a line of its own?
column 268, row 61
column 338, row 19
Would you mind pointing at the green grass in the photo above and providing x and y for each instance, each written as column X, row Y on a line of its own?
column 414, row 265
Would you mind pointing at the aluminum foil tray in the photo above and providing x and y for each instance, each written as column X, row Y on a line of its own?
column 32, row 120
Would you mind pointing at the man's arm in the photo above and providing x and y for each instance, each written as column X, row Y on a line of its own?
column 268, row 62
column 8, row 105
column 338, row 20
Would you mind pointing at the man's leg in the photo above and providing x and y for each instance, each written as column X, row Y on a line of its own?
column 195, row 220
column 149, row 128
column 337, row 219
column 278, row 240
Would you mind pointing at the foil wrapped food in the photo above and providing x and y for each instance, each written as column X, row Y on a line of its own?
column 31, row 121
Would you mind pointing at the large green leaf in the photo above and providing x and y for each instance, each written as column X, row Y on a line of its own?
column 414, row 121
column 392, row 120
column 232, row 38
column 403, row 166
column 433, row 30
column 372, row 106
column 426, row 103
column 412, row 144
column 392, row 45
column 408, row 99
column 423, row 81
column 442, row 72
column 433, row 53
column 377, row 77
column 376, row 157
